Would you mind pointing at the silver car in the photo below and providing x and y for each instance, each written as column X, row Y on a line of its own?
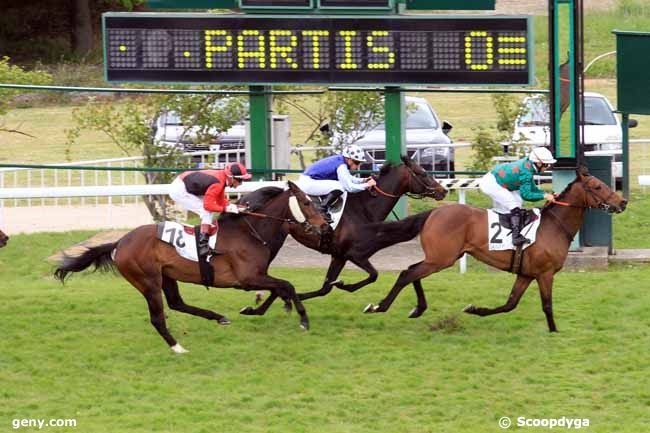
column 427, row 142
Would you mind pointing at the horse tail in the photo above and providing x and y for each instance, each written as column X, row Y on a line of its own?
column 99, row 256
column 377, row 236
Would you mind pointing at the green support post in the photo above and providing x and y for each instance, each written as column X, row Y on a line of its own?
column 626, row 154
column 561, row 178
column 395, row 120
column 260, row 130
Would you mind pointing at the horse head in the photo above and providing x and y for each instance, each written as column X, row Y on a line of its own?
column 598, row 194
column 305, row 213
column 418, row 183
column 3, row 239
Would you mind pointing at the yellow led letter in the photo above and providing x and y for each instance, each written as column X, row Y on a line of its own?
column 479, row 46
column 283, row 51
column 512, row 50
column 383, row 51
column 316, row 37
column 213, row 47
column 245, row 51
column 347, row 41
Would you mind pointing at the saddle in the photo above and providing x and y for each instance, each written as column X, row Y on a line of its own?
column 528, row 216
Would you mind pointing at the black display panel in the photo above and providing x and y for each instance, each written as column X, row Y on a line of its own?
column 201, row 48
column 275, row 3
column 355, row 3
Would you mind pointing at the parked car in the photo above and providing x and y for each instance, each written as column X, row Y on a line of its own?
column 427, row 141
column 169, row 129
column 602, row 128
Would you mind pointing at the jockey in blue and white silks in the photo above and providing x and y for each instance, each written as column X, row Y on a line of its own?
column 331, row 176
column 333, row 173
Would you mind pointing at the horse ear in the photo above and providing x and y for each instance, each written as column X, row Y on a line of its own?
column 405, row 159
column 582, row 171
column 292, row 186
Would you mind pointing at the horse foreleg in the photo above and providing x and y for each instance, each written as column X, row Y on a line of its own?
column 518, row 289
column 366, row 266
column 545, row 283
column 414, row 272
column 278, row 287
column 336, row 266
column 175, row 302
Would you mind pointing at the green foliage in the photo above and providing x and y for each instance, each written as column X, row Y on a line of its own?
column 129, row 127
column 488, row 143
column 350, row 114
column 633, row 8
column 12, row 74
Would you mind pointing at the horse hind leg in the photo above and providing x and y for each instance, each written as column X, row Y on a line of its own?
column 150, row 287
column 176, row 302
column 518, row 289
column 422, row 300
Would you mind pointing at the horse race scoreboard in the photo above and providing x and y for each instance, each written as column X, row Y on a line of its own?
column 317, row 49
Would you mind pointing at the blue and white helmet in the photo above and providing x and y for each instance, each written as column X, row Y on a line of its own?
column 354, row 152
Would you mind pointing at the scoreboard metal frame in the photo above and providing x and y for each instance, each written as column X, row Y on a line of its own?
column 318, row 49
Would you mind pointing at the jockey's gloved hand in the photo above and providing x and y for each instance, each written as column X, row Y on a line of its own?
column 232, row 208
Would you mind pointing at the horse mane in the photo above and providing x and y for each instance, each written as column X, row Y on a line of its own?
column 563, row 194
column 258, row 198
column 388, row 166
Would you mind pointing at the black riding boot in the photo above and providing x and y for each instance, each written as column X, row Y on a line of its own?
column 516, row 222
column 328, row 201
column 203, row 248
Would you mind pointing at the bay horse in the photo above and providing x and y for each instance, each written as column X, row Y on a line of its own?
column 354, row 229
column 246, row 244
column 3, row 239
column 451, row 231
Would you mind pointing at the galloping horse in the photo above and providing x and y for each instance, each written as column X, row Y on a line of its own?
column 451, row 231
column 361, row 210
column 246, row 246
column 3, row 239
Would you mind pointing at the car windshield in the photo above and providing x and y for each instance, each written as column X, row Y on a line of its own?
column 597, row 112
column 536, row 113
column 418, row 116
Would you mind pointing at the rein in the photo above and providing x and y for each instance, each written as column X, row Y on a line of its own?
column 262, row 215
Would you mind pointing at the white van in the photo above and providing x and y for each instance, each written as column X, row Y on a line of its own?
column 603, row 134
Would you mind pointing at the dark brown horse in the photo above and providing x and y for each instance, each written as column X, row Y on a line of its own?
column 451, row 231
column 356, row 228
column 3, row 239
column 246, row 244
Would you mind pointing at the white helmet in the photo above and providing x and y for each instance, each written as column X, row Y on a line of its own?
column 354, row 152
column 541, row 155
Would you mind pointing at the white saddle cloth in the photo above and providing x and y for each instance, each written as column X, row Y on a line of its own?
column 500, row 238
column 181, row 237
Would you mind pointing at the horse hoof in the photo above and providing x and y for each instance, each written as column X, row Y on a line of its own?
column 370, row 308
column 469, row 309
column 337, row 283
column 415, row 313
column 246, row 311
column 224, row 321
column 304, row 325
column 177, row 348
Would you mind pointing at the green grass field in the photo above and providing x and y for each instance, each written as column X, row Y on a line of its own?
column 87, row 351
